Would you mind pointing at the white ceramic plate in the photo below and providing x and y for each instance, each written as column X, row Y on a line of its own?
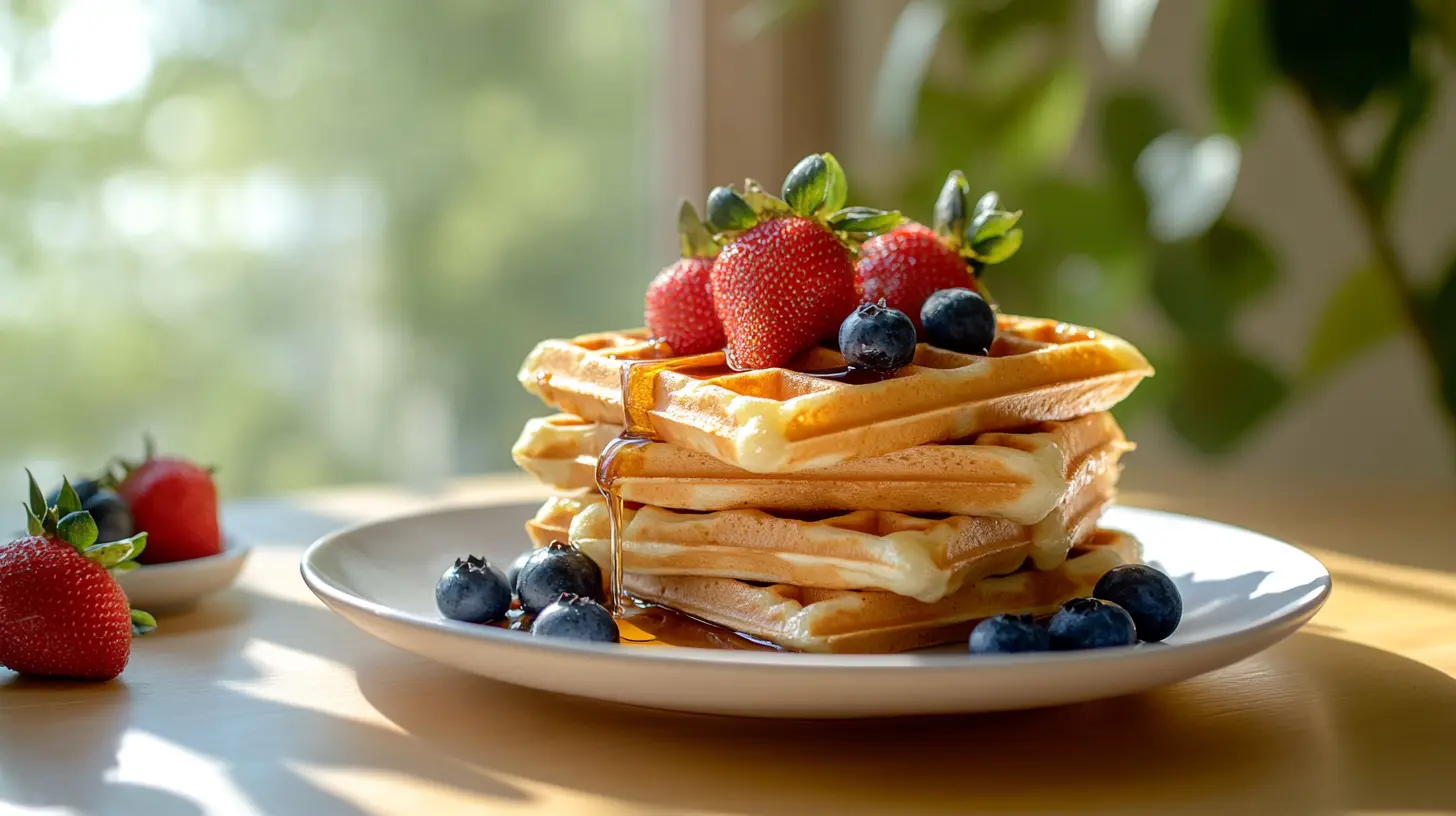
column 1242, row 592
column 162, row 588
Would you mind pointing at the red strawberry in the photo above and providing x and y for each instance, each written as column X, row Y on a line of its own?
column 175, row 502
column 912, row 262
column 680, row 299
column 780, row 287
column 61, row 612
column 787, row 278
column 905, row 267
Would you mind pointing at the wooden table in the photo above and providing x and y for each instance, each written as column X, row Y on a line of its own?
column 261, row 701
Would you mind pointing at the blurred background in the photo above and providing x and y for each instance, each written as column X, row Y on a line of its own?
column 309, row 241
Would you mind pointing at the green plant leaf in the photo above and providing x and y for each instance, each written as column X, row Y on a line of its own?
column 1360, row 314
column 865, row 220
column 67, row 501
column 1202, row 283
column 1042, row 119
column 836, row 192
column 728, row 212
column 1412, row 104
column 1341, row 51
column 990, row 201
column 125, row 566
column 1089, row 263
column 1223, row 395
column 78, row 529
column 1122, row 25
column 806, row 185
column 987, row 29
column 1130, row 121
column 903, row 66
column 1238, row 67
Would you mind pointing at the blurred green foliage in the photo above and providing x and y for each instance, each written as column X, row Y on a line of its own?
column 310, row 240
column 1150, row 226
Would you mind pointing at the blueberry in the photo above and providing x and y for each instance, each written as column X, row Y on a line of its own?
column 1009, row 633
column 554, row 570
column 1149, row 596
column 877, row 338
column 513, row 572
column 576, row 618
column 113, row 516
column 473, row 591
column 1087, row 623
column 959, row 320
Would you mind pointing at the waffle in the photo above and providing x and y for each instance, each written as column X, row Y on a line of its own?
column 827, row 620
column 922, row 558
column 781, row 420
column 1018, row 476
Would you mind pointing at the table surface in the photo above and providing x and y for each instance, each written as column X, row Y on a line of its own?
column 261, row 701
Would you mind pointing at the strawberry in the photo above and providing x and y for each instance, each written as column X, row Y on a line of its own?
column 680, row 299
column 175, row 502
column 61, row 612
column 905, row 266
column 786, row 280
column 909, row 264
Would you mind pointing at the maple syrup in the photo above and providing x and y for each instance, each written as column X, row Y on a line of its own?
column 652, row 625
column 647, row 623
column 849, row 375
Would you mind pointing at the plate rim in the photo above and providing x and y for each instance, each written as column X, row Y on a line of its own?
column 1290, row 616
column 233, row 549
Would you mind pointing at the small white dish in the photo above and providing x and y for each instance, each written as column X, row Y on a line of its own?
column 1242, row 593
column 161, row 588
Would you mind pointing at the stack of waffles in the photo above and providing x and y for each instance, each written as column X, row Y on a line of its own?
column 827, row 513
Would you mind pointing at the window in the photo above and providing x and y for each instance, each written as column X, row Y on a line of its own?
column 310, row 241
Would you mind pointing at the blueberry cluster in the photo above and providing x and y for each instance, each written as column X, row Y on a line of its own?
column 558, row 585
column 1131, row 603
column 878, row 338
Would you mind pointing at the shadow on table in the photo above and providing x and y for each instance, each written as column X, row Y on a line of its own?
column 1264, row 734
column 60, row 742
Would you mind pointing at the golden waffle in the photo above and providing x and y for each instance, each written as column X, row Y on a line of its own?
column 1019, row 476
column 828, row 620
column 779, row 420
column 923, row 558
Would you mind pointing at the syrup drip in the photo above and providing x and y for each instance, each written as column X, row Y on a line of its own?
column 849, row 375
column 639, row 387
column 651, row 625
column 639, row 384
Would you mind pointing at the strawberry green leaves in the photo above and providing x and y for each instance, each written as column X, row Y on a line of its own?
column 806, row 184
column 864, row 221
column 728, row 213
column 77, row 529
column 815, row 189
column 142, row 623
column 696, row 239
column 989, row 236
